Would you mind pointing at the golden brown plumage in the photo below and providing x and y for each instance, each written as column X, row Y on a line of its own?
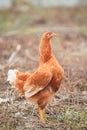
column 20, row 81
column 41, row 85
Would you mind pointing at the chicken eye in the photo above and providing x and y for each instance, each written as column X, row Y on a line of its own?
column 48, row 35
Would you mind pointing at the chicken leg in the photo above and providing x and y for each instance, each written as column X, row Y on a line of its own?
column 42, row 114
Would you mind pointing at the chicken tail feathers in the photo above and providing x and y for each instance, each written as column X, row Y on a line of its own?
column 11, row 76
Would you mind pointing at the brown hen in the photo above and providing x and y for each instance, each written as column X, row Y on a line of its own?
column 41, row 85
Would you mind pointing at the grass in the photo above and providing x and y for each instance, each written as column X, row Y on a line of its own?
column 75, row 120
column 83, row 30
column 70, row 120
column 13, row 21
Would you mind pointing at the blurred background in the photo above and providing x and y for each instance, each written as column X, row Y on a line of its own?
column 22, row 22
column 27, row 15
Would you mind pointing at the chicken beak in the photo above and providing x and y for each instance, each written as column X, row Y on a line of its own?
column 53, row 35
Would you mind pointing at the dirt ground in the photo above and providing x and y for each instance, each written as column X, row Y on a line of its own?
column 19, row 50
